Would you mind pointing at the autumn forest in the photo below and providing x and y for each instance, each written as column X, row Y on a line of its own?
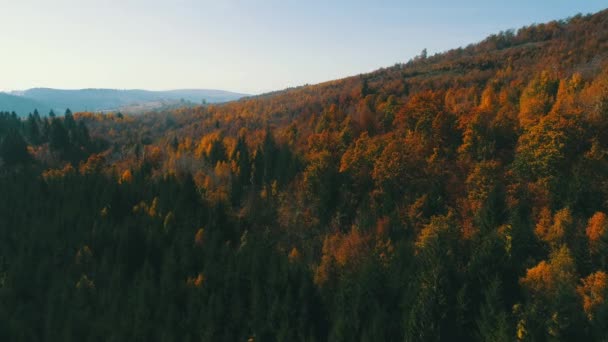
column 461, row 196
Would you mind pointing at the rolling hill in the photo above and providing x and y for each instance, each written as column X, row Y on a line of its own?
column 21, row 105
column 95, row 100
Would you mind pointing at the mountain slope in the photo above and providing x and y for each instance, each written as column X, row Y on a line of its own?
column 508, row 60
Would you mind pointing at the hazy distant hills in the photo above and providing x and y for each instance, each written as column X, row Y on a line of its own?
column 45, row 99
column 20, row 105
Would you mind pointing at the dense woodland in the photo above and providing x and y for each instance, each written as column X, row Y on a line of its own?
column 460, row 196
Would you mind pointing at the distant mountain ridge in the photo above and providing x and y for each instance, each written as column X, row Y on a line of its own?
column 91, row 99
column 20, row 105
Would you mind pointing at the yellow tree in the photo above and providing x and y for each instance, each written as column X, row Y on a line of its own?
column 597, row 233
column 593, row 291
column 537, row 99
column 550, row 286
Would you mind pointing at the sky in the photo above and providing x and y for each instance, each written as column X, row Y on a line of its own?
column 243, row 46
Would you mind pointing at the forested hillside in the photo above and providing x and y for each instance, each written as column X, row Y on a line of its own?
column 456, row 197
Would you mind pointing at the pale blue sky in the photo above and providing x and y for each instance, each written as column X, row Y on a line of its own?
column 247, row 46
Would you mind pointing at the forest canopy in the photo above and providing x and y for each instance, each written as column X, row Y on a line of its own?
column 459, row 196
